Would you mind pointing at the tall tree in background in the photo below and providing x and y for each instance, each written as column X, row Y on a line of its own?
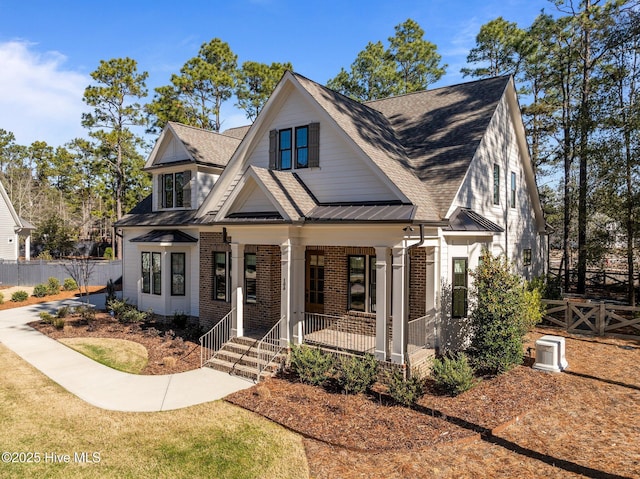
column 409, row 64
column 417, row 60
column 255, row 83
column 500, row 47
column 197, row 93
column 113, row 98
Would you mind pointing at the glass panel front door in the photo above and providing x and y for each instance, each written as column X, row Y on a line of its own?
column 314, row 291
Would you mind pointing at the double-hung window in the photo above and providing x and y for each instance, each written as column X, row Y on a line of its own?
column 175, row 191
column 151, row 273
column 178, row 267
column 526, row 257
column 284, row 149
column 221, row 270
column 302, row 147
column 362, row 283
column 250, row 285
column 460, row 288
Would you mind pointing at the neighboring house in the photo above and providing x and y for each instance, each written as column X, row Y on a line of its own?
column 12, row 230
column 330, row 216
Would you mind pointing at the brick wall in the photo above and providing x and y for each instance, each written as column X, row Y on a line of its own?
column 418, row 283
column 266, row 311
column 211, row 311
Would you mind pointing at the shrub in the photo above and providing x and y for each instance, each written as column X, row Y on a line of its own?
column 19, row 296
column 169, row 361
column 453, row 375
column 46, row 317
column 69, row 284
column 533, row 309
column 40, row 290
column 63, row 312
column 356, row 374
column 311, row 365
column 86, row 313
column 108, row 253
column 53, row 285
column 58, row 323
column 1, row 298
column 132, row 315
column 498, row 316
column 405, row 391
column 118, row 307
column 180, row 320
column 45, row 255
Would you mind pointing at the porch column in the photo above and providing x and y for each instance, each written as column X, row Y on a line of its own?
column 27, row 248
column 292, row 297
column 237, row 289
column 399, row 309
column 382, row 302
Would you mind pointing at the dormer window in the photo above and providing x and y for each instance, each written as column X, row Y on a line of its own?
column 295, row 148
column 174, row 190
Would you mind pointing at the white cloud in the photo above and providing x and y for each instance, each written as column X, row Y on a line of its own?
column 39, row 98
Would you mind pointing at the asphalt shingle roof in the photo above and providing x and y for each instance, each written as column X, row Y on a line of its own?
column 207, row 147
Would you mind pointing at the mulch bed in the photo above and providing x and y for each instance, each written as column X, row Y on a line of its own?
column 373, row 423
column 161, row 340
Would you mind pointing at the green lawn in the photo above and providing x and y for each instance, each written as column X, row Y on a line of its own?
column 120, row 354
column 214, row 440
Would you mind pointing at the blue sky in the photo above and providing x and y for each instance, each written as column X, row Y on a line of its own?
column 48, row 49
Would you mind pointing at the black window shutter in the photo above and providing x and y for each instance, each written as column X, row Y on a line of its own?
column 186, row 189
column 273, row 149
column 314, row 145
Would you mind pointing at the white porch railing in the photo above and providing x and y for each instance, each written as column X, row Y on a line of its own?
column 269, row 347
column 337, row 332
column 422, row 333
column 212, row 341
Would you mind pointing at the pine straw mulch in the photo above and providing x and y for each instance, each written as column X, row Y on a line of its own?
column 581, row 423
column 170, row 350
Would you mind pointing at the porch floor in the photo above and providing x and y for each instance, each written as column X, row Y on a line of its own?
column 354, row 342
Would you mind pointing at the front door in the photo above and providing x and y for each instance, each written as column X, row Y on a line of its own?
column 314, row 283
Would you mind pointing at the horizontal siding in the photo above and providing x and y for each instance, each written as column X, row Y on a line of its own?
column 342, row 176
column 499, row 146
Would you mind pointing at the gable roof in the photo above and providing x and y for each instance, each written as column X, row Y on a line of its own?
column 19, row 225
column 202, row 146
column 441, row 129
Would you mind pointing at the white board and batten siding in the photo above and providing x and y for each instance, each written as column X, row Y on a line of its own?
column 499, row 147
column 343, row 176
column 164, row 304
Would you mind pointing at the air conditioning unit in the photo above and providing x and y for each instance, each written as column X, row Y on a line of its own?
column 550, row 354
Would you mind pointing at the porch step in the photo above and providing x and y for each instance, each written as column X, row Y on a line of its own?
column 239, row 356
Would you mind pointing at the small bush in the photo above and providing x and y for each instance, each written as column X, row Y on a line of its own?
column 405, row 391
column 40, row 290
column 86, row 313
column 356, row 374
column 63, row 312
column 453, row 375
column 46, row 317
column 45, row 255
column 1, row 298
column 53, row 284
column 180, row 320
column 311, row 365
column 108, row 253
column 69, row 284
column 19, row 296
column 58, row 323
column 169, row 361
column 132, row 315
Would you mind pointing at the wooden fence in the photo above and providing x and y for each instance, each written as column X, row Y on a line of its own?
column 598, row 318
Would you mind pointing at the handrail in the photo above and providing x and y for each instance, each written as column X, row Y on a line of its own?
column 420, row 335
column 274, row 346
column 215, row 338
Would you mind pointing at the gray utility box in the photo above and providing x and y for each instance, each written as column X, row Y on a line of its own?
column 550, row 354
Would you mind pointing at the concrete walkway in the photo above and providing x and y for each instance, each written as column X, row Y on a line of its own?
column 100, row 385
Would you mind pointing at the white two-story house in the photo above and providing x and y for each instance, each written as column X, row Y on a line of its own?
column 330, row 216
